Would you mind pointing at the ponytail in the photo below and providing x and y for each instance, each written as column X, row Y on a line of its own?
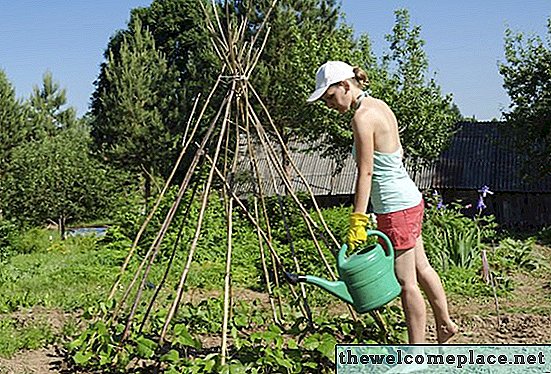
column 361, row 77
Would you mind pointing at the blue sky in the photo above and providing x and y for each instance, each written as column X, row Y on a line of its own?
column 464, row 42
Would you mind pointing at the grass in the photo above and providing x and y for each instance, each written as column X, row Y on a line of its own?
column 69, row 276
column 65, row 276
column 16, row 335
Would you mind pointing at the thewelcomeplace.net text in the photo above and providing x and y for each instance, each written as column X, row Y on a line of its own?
column 442, row 358
column 459, row 360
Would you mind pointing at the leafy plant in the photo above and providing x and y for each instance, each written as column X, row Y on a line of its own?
column 16, row 336
column 514, row 255
column 8, row 239
column 452, row 239
column 469, row 282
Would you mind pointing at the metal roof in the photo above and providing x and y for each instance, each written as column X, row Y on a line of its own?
column 480, row 154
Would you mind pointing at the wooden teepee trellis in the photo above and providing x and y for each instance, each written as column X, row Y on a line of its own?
column 236, row 118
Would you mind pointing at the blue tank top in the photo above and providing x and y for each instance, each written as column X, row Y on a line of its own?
column 392, row 189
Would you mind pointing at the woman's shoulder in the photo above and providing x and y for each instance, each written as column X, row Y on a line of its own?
column 372, row 109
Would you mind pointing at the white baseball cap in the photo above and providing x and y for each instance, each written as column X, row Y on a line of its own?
column 330, row 73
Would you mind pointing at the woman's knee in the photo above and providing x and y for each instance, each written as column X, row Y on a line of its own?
column 409, row 287
column 423, row 268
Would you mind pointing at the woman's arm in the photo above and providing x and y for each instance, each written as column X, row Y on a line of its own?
column 364, row 143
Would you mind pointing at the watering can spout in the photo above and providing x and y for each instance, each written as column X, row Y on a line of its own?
column 336, row 288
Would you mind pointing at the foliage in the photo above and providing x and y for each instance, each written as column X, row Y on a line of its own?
column 178, row 27
column 47, row 115
column 303, row 35
column 131, row 124
column 468, row 281
column 8, row 239
column 515, row 255
column 452, row 239
column 256, row 344
column 12, row 122
column 68, row 275
column 527, row 79
column 426, row 118
column 17, row 335
column 55, row 179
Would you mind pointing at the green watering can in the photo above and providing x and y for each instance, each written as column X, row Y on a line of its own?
column 367, row 279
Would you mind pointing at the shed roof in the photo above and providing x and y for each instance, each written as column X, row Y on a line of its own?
column 480, row 154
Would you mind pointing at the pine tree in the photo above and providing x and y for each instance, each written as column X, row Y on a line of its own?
column 47, row 114
column 131, row 125
column 13, row 128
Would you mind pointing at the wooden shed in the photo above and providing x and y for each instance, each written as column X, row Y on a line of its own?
column 484, row 154
column 480, row 154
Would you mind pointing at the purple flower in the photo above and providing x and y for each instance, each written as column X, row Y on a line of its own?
column 485, row 190
column 440, row 204
column 480, row 205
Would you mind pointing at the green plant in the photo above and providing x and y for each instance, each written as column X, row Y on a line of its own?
column 8, row 239
column 452, row 239
column 16, row 336
column 468, row 282
column 513, row 255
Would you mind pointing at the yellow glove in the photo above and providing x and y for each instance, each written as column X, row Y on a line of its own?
column 357, row 233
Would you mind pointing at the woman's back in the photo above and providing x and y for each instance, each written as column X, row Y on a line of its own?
column 385, row 126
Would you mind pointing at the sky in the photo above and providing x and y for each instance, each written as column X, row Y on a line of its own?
column 464, row 42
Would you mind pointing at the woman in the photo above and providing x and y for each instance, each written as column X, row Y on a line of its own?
column 396, row 201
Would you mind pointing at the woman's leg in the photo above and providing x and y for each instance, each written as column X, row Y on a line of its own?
column 413, row 302
column 432, row 286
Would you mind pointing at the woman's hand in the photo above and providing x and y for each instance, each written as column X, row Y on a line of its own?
column 357, row 232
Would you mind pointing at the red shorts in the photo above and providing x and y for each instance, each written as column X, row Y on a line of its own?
column 402, row 227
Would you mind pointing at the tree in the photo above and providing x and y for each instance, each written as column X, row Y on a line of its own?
column 54, row 178
column 304, row 35
column 47, row 114
column 12, row 121
column 527, row 79
column 426, row 118
column 134, row 124
column 179, row 30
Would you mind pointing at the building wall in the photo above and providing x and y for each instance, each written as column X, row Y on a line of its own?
column 511, row 209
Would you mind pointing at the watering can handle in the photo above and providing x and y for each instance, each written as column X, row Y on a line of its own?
column 389, row 247
column 341, row 257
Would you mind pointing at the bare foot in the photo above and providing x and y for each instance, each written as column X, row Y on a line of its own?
column 445, row 333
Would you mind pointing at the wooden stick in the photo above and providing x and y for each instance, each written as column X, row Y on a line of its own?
column 256, row 224
column 252, row 155
column 170, row 214
column 265, row 267
column 227, row 282
column 200, row 219
column 295, row 168
column 171, row 259
column 159, row 199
